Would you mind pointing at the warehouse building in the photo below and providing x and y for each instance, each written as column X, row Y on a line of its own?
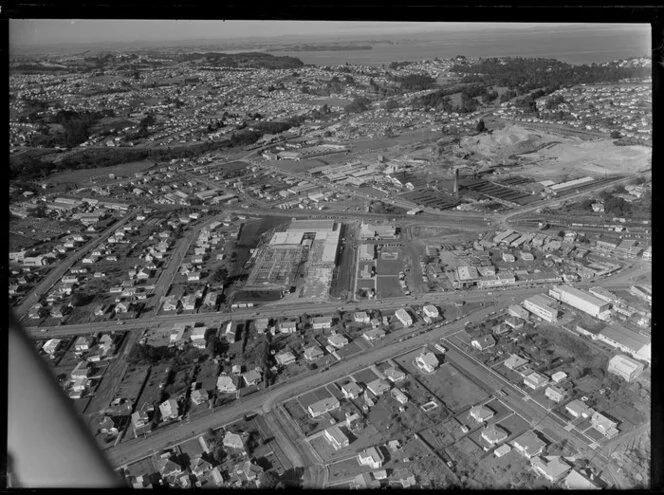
column 625, row 367
column 542, row 306
column 580, row 300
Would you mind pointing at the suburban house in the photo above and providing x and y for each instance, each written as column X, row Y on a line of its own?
column 200, row 467
column 288, row 327
column 251, row 377
column 427, row 362
column 430, row 310
column 481, row 413
column 199, row 396
column 578, row 409
column 536, row 381
column 394, row 375
column 556, row 394
column 403, row 316
column 552, row 468
column 140, row 423
column 493, row 434
column 374, row 334
column 576, row 481
column 233, row 441
column 351, row 390
column 171, row 303
column 502, row 450
column 370, row 457
column 322, row 406
column 336, row 437
column 285, row 358
column 261, row 324
column 337, row 340
column 82, row 344
column 378, row 387
column 197, row 337
column 483, row 343
column 313, row 353
column 604, row 425
column 51, row 346
column 399, row 396
column 321, row 322
column 227, row 384
column 361, row 317
column 514, row 361
column 529, row 444
column 169, row 410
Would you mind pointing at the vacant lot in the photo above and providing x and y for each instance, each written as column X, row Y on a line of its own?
column 82, row 175
column 389, row 287
column 453, row 388
column 514, row 425
column 389, row 267
column 314, row 396
column 365, row 376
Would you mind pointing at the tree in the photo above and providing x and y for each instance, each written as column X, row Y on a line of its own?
column 269, row 479
column 80, row 299
column 480, row 127
column 358, row 105
column 615, row 135
column 218, row 453
column 391, row 104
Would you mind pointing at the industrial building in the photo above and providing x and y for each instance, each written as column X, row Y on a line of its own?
column 580, row 300
column 625, row 367
column 542, row 306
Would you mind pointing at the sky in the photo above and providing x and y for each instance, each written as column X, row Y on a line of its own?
column 36, row 32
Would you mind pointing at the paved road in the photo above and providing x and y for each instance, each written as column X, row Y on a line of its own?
column 62, row 267
column 285, row 310
column 264, row 401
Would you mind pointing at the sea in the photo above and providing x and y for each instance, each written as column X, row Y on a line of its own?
column 581, row 44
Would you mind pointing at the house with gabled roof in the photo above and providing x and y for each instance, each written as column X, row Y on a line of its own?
column 494, row 434
column 481, row 413
column 227, row 384
column 552, row 468
column 529, row 444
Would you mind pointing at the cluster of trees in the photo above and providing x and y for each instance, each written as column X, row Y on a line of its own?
column 358, row 105
column 255, row 60
column 527, row 74
column 145, row 353
column 77, row 125
column 415, row 82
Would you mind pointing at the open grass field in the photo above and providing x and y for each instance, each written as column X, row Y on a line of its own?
column 389, row 267
column 452, row 387
column 298, row 166
column 514, row 425
column 84, row 175
column 365, row 376
column 388, row 287
column 313, row 396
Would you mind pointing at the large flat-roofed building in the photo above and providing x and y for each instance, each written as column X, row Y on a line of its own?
column 542, row 306
column 603, row 294
column 627, row 368
column 369, row 231
column 579, row 299
column 639, row 346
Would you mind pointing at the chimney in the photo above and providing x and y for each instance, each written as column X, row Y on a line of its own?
column 456, row 181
